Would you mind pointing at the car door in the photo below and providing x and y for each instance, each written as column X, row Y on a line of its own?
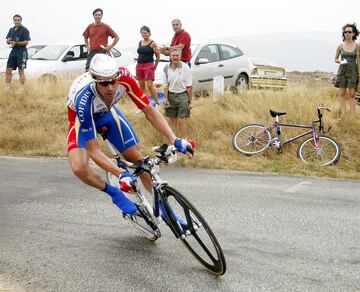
column 203, row 73
column 230, row 63
column 73, row 61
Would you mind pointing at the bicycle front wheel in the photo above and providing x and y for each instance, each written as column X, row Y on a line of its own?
column 251, row 139
column 326, row 152
column 193, row 230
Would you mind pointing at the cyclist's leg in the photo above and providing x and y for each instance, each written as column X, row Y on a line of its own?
column 121, row 134
column 79, row 161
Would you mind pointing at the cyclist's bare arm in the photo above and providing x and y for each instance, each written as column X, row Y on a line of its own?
column 158, row 121
column 100, row 158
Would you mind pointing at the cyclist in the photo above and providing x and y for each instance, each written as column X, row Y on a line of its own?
column 91, row 107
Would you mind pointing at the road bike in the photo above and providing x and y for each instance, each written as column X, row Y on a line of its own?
column 171, row 207
column 316, row 149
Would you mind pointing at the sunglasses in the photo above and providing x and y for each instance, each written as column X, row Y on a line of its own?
column 348, row 31
column 107, row 82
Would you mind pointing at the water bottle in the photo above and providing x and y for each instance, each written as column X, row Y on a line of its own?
column 23, row 60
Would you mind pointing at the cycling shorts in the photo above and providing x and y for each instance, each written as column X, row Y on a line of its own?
column 118, row 130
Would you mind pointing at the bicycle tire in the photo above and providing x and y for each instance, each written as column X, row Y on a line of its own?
column 138, row 221
column 328, row 148
column 251, row 139
column 206, row 250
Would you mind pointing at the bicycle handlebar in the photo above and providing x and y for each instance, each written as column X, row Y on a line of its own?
column 166, row 153
column 320, row 115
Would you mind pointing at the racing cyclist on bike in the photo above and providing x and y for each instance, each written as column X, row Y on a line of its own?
column 91, row 107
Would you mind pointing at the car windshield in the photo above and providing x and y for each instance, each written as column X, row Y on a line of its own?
column 4, row 53
column 50, row 52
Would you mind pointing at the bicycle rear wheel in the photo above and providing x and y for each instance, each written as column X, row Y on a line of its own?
column 251, row 139
column 142, row 221
column 328, row 151
column 193, row 230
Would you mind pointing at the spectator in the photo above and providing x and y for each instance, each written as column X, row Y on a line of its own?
column 177, row 92
column 18, row 37
column 96, row 37
column 145, row 67
column 347, row 75
column 180, row 40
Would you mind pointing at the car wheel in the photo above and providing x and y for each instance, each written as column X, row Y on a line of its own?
column 48, row 78
column 242, row 83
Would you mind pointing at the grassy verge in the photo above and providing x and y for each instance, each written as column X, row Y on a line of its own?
column 35, row 124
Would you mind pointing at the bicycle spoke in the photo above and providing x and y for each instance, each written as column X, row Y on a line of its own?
column 326, row 152
column 195, row 232
column 251, row 139
column 207, row 251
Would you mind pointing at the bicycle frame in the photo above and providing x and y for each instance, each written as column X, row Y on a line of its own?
column 157, row 184
column 277, row 125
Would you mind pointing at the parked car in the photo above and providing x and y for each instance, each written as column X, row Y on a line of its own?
column 210, row 59
column 5, row 51
column 266, row 74
column 60, row 60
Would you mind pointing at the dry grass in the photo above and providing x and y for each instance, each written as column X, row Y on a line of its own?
column 36, row 124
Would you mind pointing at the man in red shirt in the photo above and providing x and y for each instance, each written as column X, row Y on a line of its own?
column 180, row 40
column 96, row 37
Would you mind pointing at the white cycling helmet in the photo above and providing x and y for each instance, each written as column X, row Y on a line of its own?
column 103, row 65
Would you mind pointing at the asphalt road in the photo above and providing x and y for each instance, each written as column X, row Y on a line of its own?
column 279, row 233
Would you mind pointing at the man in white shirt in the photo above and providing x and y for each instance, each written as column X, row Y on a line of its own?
column 177, row 92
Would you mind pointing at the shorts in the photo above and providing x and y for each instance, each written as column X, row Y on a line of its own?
column 347, row 77
column 145, row 71
column 118, row 130
column 17, row 59
column 179, row 105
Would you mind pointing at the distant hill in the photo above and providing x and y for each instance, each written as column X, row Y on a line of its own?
column 296, row 51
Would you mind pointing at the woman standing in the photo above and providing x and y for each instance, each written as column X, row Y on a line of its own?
column 347, row 76
column 145, row 67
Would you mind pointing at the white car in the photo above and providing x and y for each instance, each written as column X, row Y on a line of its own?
column 210, row 59
column 60, row 61
column 5, row 52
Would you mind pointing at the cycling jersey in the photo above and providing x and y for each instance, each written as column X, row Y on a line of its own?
column 87, row 113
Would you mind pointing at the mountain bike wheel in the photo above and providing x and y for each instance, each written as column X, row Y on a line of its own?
column 142, row 221
column 193, row 230
column 251, row 139
column 327, row 153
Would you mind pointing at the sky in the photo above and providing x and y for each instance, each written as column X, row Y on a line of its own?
column 64, row 21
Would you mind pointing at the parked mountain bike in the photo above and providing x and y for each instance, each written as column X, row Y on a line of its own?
column 317, row 149
column 170, row 206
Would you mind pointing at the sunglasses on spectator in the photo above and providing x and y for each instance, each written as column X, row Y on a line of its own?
column 348, row 31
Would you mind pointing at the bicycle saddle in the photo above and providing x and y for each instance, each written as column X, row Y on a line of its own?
column 275, row 113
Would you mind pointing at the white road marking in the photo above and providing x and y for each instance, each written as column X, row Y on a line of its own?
column 297, row 187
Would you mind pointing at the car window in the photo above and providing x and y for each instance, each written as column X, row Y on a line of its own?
column 51, row 52
column 115, row 53
column 84, row 52
column 209, row 52
column 75, row 52
column 33, row 50
column 229, row 52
